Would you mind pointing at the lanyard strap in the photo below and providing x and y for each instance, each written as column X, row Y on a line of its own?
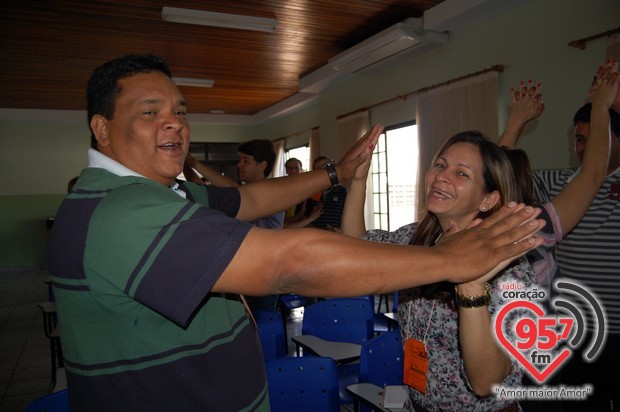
column 417, row 312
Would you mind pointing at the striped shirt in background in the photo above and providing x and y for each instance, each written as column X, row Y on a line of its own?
column 590, row 253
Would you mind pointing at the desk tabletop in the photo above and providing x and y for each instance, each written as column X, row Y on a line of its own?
column 370, row 394
column 341, row 352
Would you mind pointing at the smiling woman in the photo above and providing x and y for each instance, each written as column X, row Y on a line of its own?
column 470, row 178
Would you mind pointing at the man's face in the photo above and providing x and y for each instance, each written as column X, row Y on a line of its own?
column 249, row 169
column 581, row 136
column 148, row 132
column 293, row 168
column 582, row 130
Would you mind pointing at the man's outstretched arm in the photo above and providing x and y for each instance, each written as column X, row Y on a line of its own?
column 319, row 263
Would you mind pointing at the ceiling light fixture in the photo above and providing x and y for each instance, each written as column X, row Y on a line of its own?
column 208, row 18
column 186, row 81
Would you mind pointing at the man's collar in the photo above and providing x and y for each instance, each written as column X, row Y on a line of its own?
column 101, row 161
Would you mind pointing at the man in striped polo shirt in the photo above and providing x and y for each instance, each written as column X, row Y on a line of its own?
column 590, row 253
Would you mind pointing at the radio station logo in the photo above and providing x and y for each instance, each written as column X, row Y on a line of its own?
column 542, row 343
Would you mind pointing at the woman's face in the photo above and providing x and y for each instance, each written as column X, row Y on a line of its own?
column 455, row 186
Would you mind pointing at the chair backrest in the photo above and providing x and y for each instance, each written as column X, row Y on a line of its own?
column 54, row 402
column 271, row 333
column 303, row 384
column 340, row 319
column 291, row 300
column 395, row 302
column 381, row 360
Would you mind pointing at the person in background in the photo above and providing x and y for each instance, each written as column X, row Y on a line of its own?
column 306, row 212
column 256, row 160
column 147, row 270
column 332, row 199
column 565, row 210
column 293, row 166
column 588, row 252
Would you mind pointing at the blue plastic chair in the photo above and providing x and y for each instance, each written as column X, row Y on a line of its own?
column 288, row 302
column 383, row 324
column 381, row 362
column 340, row 320
column 292, row 301
column 271, row 333
column 303, row 384
column 348, row 320
column 54, row 402
column 395, row 302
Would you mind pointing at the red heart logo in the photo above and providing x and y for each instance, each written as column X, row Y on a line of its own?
column 549, row 340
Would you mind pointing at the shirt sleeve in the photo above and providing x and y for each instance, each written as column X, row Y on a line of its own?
column 225, row 199
column 548, row 183
column 401, row 236
column 275, row 221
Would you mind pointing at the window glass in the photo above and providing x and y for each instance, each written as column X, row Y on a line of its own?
column 394, row 176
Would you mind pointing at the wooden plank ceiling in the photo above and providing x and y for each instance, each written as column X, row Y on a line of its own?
column 48, row 49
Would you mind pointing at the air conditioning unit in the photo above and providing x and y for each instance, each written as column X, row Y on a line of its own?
column 399, row 39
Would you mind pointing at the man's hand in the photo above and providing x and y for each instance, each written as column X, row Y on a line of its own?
column 496, row 241
column 358, row 154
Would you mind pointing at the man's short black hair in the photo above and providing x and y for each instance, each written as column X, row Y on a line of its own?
column 320, row 159
column 261, row 150
column 583, row 116
column 103, row 88
column 293, row 160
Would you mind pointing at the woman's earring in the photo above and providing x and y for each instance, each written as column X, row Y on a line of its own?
column 483, row 208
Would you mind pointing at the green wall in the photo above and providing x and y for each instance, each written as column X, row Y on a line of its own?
column 23, row 243
column 530, row 38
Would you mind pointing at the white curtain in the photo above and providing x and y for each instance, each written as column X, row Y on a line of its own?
column 469, row 104
column 314, row 144
column 350, row 129
column 278, row 166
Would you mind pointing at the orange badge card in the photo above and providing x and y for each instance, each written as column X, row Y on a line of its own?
column 416, row 364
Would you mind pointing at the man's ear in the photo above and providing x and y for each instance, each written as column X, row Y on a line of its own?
column 489, row 201
column 99, row 126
